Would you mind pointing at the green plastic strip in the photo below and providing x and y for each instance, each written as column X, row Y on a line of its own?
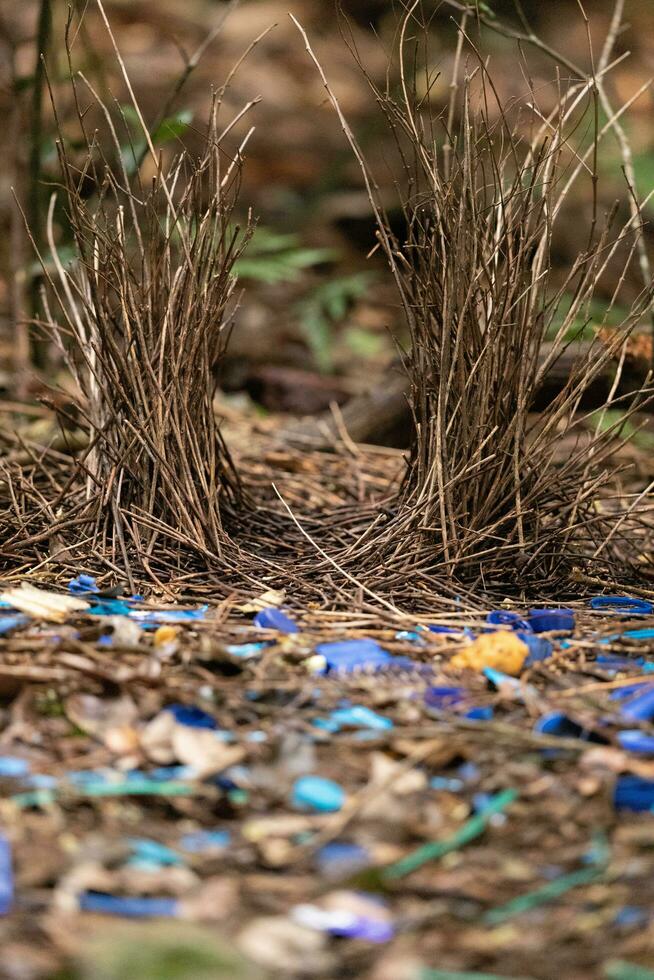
column 474, row 827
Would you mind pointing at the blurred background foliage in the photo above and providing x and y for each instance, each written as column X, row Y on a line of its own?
column 315, row 319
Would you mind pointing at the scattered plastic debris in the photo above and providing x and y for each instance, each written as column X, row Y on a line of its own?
column 351, row 757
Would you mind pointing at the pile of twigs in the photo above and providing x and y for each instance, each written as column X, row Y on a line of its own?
column 485, row 486
column 141, row 318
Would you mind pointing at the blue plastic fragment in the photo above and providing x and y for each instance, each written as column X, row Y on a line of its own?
column 352, row 654
column 130, row 906
column 317, row 793
column 451, row 784
column 205, row 841
column 9, row 623
column 539, row 648
column 548, row 620
column 11, row 767
column 497, row 678
column 247, row 651
column 633, row 740
column 6, row 877
column 409, row 636
column 480, row 713
column 505, row 617
column 640, row 707
column 359, row 716
column 108, row 607
column 152, row 853
column 622, row 604
column 620, row 693
column 365, row 928
column 619, row 663
column 191, row 716
column 556, row 723
column 644, row 634
column 444, row 697
column 342, row 858
column 631, row 916
column 633, row 793
column 435, row 628
column 159, row 616
column 82, row 585
column 275, row 619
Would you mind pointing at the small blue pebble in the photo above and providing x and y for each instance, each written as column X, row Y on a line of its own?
column 316, row 793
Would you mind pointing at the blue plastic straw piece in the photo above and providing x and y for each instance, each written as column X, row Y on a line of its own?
column 130, row 906
column 622, row 604
column 6, row 877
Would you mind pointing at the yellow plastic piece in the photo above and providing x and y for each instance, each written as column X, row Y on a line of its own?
column 502, row 650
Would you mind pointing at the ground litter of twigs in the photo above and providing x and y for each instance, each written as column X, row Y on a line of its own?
column 317, row 794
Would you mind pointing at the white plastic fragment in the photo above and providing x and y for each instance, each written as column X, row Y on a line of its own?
column 42, row 604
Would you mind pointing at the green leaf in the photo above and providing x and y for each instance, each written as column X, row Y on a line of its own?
column 273, row 257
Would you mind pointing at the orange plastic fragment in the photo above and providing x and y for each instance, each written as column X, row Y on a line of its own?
column 502, row 650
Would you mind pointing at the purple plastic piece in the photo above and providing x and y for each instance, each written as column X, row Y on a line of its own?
column 444, row 697
column 362, row 927
column 6, row 877
column 275, row 619
column 641, row 707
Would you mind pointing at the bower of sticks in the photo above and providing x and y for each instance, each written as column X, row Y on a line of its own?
column 326, row 520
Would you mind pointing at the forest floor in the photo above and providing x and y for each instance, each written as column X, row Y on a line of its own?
column 302, row 790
